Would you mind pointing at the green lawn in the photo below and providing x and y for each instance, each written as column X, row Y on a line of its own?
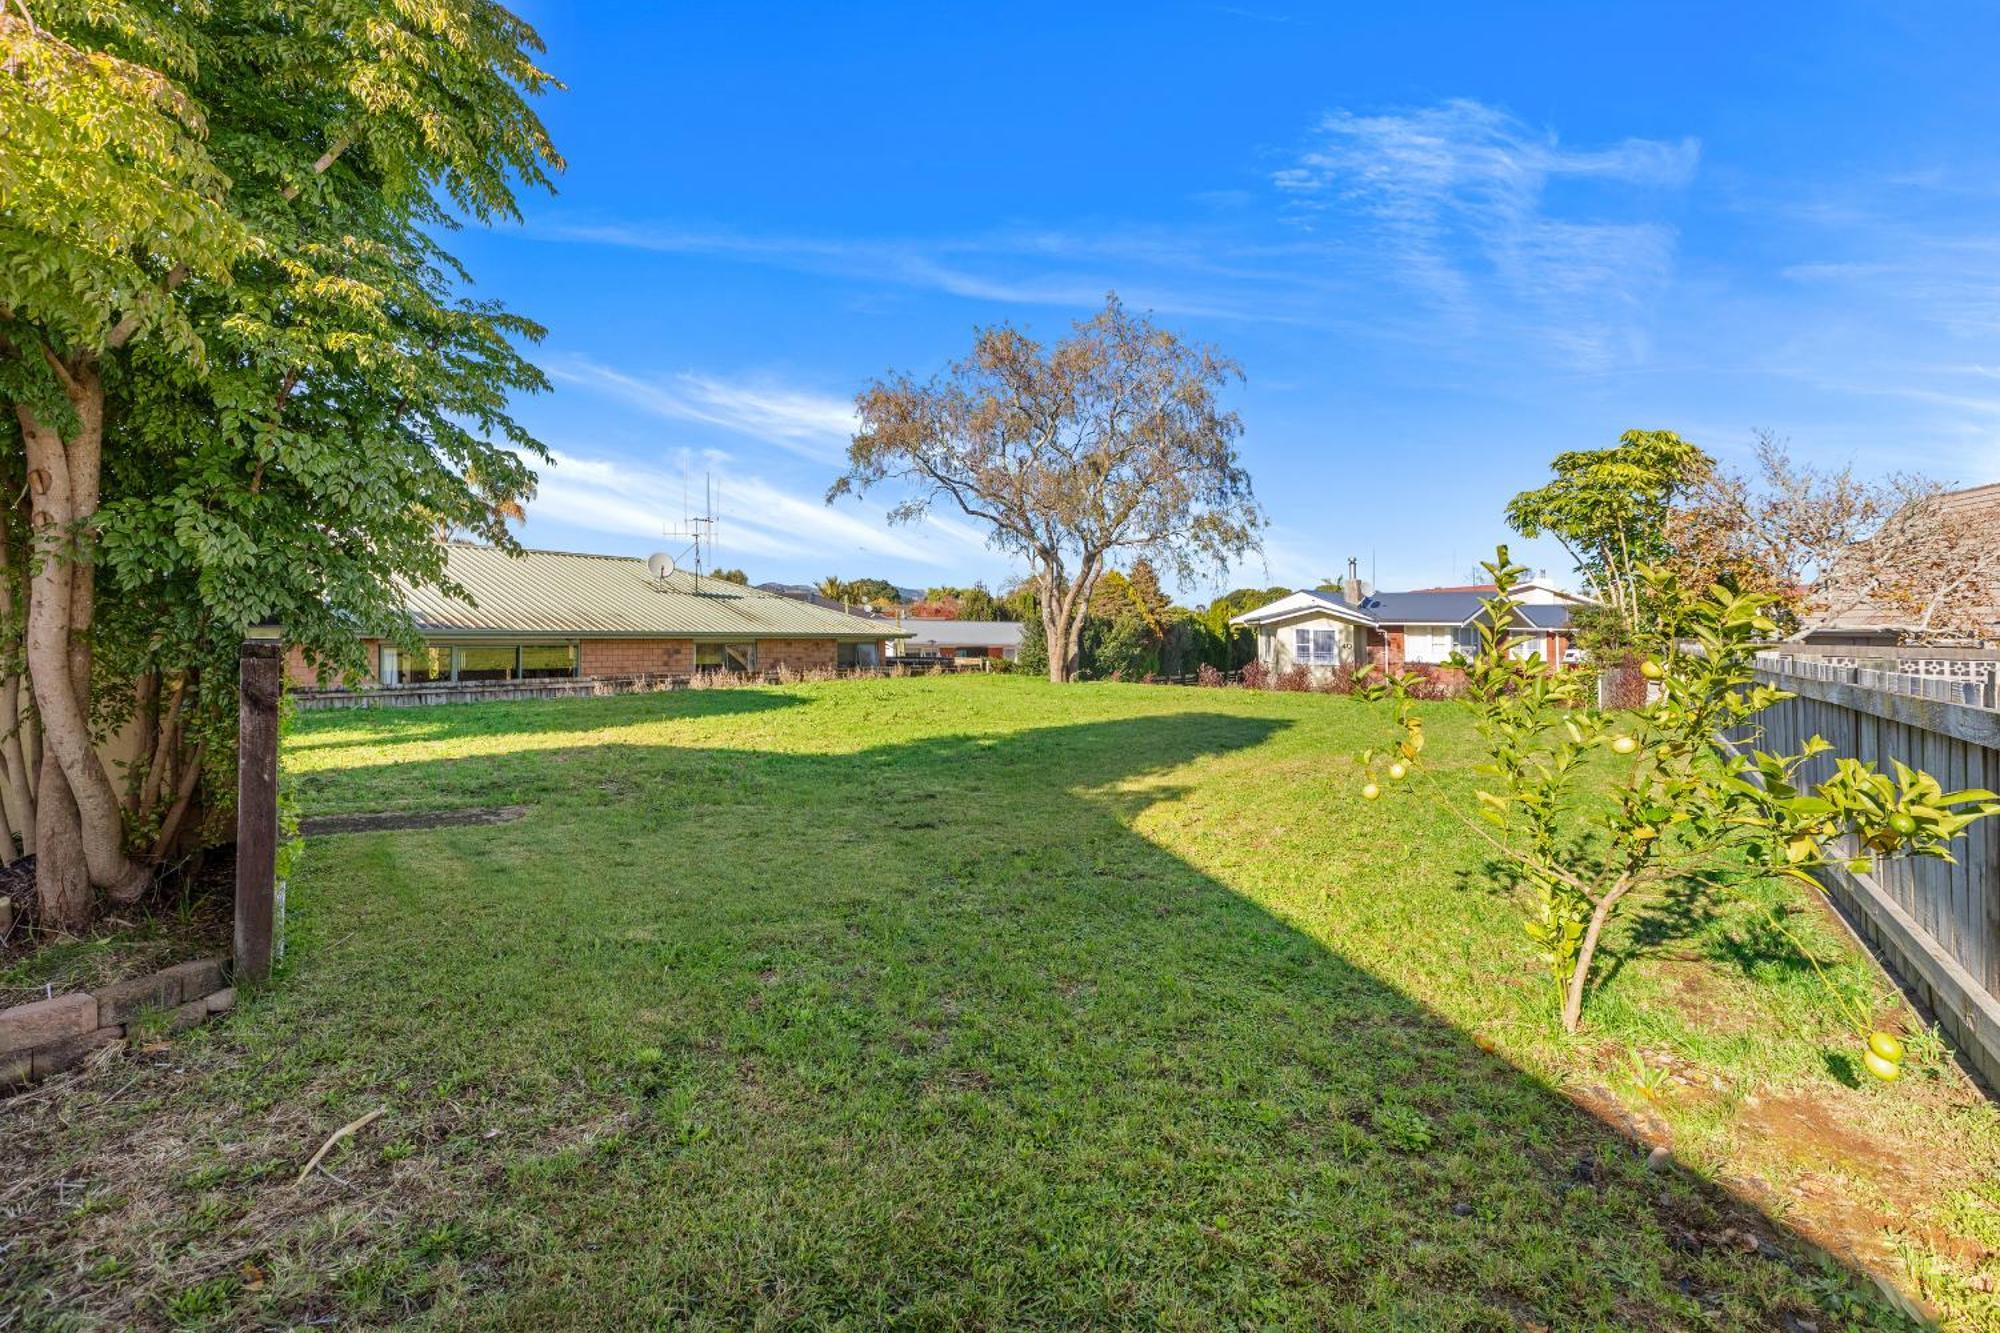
column 977, row 1003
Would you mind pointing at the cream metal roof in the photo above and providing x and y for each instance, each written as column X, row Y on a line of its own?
column 562, row 593
column 1973, row 515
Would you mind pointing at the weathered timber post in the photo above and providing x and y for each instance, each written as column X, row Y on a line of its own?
column 261, row 663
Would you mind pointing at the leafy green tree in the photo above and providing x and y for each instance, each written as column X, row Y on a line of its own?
column 1686, row 808
column 1109, row 445
column 976, row 603
column 877, row 592
column 1231, row 646
column 240, row 384
column 1609, row 509
column 730, row 576
column 1121, row 647
column 1022, row 602
column 1033, row 656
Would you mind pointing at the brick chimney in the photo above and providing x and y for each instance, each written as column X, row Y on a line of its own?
column 1350, row 589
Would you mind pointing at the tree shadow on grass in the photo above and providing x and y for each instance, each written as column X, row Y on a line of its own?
column 323, row 730
column 920, row 1035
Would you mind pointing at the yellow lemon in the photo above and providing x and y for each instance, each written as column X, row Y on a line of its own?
column 1370, row 792
column 1886, row 1045
column 1398, row 771
column 1624, row 745
column 1886, row 1070
column 1650, row 669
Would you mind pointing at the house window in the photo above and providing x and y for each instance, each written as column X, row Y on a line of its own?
column 417, row 668
column 486, row 662
column 547, row 661
column 855, row 655
column 1316, row 647
column 738, row 657
column 473, row 662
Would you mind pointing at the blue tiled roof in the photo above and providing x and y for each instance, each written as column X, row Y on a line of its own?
column 1422, row 608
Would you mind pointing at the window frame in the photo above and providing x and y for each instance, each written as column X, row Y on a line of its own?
column 745, row 649
column 391, row 661
column 1307, row 647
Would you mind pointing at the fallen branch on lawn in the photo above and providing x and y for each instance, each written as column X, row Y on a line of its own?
column 336, row 1137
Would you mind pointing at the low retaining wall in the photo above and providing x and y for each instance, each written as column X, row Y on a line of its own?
column 45, row 1037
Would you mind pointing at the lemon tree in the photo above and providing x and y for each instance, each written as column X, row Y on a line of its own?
column 1693, row 790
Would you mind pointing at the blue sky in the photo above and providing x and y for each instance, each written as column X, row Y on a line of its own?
column 1445, row 242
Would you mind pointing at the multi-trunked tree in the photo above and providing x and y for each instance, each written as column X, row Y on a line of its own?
column 238, row 381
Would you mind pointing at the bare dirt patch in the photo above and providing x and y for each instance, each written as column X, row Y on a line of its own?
column 386, row 821
column 1816, row 1134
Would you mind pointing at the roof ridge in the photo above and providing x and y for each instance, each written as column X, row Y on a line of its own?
column 470, row 544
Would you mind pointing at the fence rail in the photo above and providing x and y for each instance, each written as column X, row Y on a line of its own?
column 1935, row 924
column 1970, row 680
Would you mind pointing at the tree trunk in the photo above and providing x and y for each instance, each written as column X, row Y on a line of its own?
column 62, row 879
column 17, row 794
column 146, row 726
column 1579, row 980
column 159, row 773
column 1055, row 637
column 7, row 853
column 1062, row 621
column 64, row 480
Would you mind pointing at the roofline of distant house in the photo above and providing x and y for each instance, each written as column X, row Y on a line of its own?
column 1331, row 601
column 870, row 635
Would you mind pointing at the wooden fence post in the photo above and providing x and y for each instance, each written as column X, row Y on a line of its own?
column 261, row 662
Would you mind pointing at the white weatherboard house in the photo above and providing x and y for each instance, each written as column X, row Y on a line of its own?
column 1351, row 627
column 958, row 639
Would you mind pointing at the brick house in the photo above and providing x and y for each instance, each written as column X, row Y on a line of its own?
column 1325, row 629
column 544, row 614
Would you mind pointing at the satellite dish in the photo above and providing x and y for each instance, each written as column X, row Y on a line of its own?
column 659, row 564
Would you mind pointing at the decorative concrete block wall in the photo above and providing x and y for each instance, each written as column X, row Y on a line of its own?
column 45, row 1037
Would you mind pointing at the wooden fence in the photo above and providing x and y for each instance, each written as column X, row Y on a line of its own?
column 1954, row 675
column 1935, row 924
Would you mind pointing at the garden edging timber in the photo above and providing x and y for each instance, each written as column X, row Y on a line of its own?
column 45, row 1037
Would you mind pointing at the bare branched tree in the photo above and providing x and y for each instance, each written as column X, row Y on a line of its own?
column 1900, row 553
column 1106, row 447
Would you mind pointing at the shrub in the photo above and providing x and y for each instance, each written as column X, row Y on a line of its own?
column 1622, row 685
column 1350, row 679
column 1206, row 674
column 1294, row 680
column 1254, row 675
column 1434, row 682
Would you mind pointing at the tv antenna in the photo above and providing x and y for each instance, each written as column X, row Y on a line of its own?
column 696, row 530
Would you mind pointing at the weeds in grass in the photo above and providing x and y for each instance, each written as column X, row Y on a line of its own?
column 1405, row 1128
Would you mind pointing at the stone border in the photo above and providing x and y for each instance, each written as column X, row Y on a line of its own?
column 45, row 1037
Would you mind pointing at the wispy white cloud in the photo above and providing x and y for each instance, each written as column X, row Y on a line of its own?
column 1455, row 198
column 615, row 500
column 815, row 425
column 1153, row 269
